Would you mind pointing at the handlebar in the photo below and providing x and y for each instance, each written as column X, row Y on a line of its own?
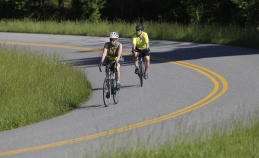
column 106, row 64
column 140, row 50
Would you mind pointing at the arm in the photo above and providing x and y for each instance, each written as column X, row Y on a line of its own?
column 104, row 52
column 119, row 52
column 147, row 41
column 134, row 41
column 147, row 45
column 133, row 46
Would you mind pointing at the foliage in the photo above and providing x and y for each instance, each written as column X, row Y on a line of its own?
column 222, row 12
column 224, row 35
column 85, row 10
column 247, row 12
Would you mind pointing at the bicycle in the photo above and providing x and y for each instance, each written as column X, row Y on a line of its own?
column 141, row 70
column 109, row 90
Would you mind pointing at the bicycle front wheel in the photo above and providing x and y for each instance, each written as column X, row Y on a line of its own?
column 116, row 96
column 106, row 92
column 141, row 73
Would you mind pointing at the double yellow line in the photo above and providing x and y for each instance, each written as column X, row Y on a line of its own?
column 211, row 97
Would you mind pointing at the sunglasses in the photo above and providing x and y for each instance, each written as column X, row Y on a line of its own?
column 138, row 30
column 113, row 39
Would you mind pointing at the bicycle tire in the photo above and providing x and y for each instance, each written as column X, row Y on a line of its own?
column 106, row 92
column 116, row 96
column 141, row 73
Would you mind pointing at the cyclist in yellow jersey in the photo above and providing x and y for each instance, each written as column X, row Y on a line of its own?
column 113, row 50
column 140, row 40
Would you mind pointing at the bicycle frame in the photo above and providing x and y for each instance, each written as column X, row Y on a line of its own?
column 141, row 69
column 109, row 85
column 110, row 75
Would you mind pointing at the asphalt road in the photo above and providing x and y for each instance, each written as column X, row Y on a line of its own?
column 189, row 84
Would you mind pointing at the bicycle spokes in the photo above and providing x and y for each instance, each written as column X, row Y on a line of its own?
column 141, row 73
column 109, row 90
column 116, row 96
column 106, row 92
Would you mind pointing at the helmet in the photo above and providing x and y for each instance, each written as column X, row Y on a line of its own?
column 114, row 35
column 139, row 27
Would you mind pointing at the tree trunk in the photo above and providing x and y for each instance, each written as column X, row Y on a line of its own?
column 61, row 9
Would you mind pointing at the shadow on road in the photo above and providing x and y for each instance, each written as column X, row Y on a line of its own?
column 122, row 87
column 90, row 107
column 175, row 51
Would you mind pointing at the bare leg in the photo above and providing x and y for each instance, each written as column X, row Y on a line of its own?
column 147, row 61
column 117, row 74
column 136, row 58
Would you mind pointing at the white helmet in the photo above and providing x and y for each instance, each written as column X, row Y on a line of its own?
column 114, row 35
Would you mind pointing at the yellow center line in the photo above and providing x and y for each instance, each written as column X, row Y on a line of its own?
column 56, row 46
column 208, row 99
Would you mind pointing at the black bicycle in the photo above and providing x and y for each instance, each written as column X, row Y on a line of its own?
column 141, row 70
column 109, row 88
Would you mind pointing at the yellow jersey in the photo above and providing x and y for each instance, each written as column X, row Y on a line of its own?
column 140, row 42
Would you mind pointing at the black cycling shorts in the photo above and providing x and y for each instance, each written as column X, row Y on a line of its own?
column 113, row 64
column 146, row 52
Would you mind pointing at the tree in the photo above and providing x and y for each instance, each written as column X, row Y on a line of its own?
column 61, row 8
column 86, row 9
column 246, row 12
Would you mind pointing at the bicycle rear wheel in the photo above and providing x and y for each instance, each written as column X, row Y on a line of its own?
column 106, row 92
column 141, row 73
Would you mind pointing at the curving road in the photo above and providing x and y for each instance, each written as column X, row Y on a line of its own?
column 189, row 83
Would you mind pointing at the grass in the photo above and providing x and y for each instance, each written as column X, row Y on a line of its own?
column 223, row 35
column 236, row 138
column 37, row 87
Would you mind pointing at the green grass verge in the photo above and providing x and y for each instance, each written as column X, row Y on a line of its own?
column 37, row 87
column 35, row 91
column 237, row 138
column 224, row 35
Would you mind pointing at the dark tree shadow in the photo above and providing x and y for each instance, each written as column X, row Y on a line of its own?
column 181, row 52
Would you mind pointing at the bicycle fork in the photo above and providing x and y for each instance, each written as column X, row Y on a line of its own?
column 141, row 69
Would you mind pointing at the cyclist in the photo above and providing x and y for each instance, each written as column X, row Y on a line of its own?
column 113, row 51
column 140, row 40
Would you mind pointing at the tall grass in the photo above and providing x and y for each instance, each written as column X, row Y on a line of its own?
column 224, row 35
column 236, row 138
column 37, row 87
column 34, row 88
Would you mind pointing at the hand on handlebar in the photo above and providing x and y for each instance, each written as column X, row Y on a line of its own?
column 100, row 65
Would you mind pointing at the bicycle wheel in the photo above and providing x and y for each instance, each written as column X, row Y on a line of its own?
column 141, row 73
column 106, row 92
column 116, row 96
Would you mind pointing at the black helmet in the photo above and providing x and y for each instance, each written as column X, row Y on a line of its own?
column 139, row 27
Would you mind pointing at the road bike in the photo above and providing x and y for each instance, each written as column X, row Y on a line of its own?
column 109, row 88
column 141, row 70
